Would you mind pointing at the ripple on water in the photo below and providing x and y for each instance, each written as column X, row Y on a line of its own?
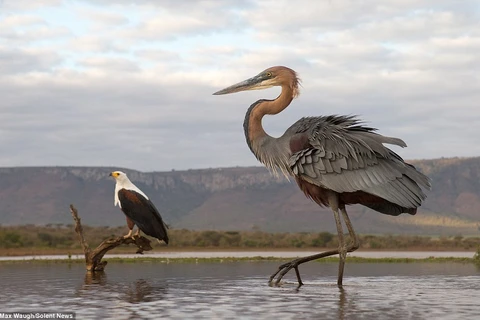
column 240, row 290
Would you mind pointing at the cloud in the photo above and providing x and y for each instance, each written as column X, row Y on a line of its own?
column 15, row 61
column 26, row 5
column 130, row 83
column 21, row 21
column 102, row 20
column 26, row 29
column 93, row 45
column 156, row 55
column 109, row 65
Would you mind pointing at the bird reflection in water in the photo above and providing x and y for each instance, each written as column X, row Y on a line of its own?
column 140, row 290
column 335, row 302
column 342, row 300
column 91, row 282
column 95, row 278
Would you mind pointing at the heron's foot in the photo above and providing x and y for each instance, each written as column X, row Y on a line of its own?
column 348, row 248
column 283, row 270
column 354, row 245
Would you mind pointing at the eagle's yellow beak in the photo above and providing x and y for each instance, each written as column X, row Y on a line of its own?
column 114, row 174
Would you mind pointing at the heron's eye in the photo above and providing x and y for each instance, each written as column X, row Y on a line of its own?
column 269, row 74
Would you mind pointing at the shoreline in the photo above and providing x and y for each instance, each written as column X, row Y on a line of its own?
column 20, row 252
column 252, row 255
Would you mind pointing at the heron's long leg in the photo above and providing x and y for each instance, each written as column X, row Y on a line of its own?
column 341, row 247
column 342, row 250
column 284, row 268
column 334, row 204
column 355, row 242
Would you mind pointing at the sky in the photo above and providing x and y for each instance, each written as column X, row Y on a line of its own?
column 129, row 83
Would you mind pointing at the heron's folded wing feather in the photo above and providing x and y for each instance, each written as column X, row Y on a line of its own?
column 344, row 156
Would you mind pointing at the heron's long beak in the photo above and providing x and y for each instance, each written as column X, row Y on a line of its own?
column 255, row 83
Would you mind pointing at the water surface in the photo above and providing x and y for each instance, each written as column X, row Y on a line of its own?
column 254, row 254
column 239, row 290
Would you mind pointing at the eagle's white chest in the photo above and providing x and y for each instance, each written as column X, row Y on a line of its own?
column 117, row 201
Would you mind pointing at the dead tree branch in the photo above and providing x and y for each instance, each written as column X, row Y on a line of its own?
column 93, row 258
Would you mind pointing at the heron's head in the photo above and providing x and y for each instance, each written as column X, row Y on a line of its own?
column 274, row 76
column 119, row 176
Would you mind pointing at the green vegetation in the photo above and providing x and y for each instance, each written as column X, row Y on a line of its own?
column 476, row 257
column 30, row 239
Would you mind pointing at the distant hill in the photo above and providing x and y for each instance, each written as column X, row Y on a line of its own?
column 233, row 199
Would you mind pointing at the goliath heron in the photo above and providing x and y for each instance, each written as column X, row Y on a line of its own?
column 335, row 160
column 138, row 209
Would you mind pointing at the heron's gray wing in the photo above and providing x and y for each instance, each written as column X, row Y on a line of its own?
column 342, row 155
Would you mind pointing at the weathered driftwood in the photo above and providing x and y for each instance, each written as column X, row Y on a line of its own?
column 93, row 258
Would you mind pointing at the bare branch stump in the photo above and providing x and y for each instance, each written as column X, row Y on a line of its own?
column 93, row 258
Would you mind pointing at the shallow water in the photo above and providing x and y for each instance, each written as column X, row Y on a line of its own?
column 239, row 290
column 252, row 254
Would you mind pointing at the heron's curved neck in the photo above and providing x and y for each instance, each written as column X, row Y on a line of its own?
column 267, row 149
column 253, row 120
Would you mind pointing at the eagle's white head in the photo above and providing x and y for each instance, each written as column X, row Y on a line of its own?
column 120, row 177
column 122, row 182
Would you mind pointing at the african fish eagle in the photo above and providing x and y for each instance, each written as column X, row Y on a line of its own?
column 138, row 208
